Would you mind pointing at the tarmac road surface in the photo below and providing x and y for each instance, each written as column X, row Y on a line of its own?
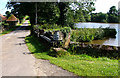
column 16, row 59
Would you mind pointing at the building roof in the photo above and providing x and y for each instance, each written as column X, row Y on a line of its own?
column 3, row 17
column 12, row 18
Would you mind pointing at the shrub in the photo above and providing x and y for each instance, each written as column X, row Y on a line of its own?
column 83, row 35
column 110, row 32
column 49, row 26
column 60, row 53
column 94, row 52
column 87, row 34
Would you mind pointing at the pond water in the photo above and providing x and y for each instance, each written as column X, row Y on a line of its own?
column 110, row 41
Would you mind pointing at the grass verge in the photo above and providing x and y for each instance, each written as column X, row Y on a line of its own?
column 8, row 31
column 82, row 65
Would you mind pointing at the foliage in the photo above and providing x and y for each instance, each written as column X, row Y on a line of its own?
column 110, row 17
column 92, row 51
column 60, row 53
column 85, row 34
column 81, row 65
column 5, row 25
column 113, row 18
column 52, row 27
column 99, row 17
column 82, row 11
column 26, row 17
column 8, row 14
column 65, row 31
column 53, row 12
column 50, row 13
column 49, row 26
column 113, row 15
column 0, row 23
column 88, row 34
column 110, row 32
column 8, row 31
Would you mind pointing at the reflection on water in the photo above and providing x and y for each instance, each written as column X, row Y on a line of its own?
column 110, row 41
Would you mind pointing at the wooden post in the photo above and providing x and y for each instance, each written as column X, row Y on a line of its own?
column 36, row 13
column 67, row 42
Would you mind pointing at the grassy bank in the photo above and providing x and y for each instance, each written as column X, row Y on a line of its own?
column 82, row 65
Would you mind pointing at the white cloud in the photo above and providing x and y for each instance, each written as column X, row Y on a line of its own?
column 104, row 5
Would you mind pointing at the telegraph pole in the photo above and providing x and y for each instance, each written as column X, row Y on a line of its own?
column 1, row 22
column 36, row 13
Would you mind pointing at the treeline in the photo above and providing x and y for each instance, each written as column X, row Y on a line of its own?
column 110, row 17
column 62, row 13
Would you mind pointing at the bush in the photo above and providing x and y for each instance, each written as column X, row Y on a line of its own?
column 92, row 51
column 49, row 26
column 60, row 53
column 88, row 34
column 110, row 32
column 84, row 34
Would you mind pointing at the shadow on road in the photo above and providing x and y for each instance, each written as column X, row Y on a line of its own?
column 24, row 28
column 27, row 53
column 21, row 37
column 20, row 44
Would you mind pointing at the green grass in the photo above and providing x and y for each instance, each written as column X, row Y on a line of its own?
column 18, row 24
column 29, row 23
column 8, row 31
column 82, row 65
column 0, row 23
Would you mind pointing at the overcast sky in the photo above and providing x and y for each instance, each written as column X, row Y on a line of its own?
column 100, row 5
column 104, row 5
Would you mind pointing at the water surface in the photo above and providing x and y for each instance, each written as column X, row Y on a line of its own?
column 110, row 41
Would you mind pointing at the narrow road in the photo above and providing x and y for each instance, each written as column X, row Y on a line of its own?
column 16, row 59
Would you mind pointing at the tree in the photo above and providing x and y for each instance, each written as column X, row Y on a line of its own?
column 113, row 10
column 113, row 15
column 87, row 16
column 119, row 15
column 83, row 11
column 52, row 12
column 99, row 17
column 7, row 14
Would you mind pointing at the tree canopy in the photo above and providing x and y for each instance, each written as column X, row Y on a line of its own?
column 113, row 15
column 53, row 12
column 109, row 17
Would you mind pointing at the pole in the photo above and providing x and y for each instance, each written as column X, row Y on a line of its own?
column 1, row 24
column 36, row 13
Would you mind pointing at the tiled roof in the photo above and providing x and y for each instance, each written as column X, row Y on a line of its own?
column 12, row 18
